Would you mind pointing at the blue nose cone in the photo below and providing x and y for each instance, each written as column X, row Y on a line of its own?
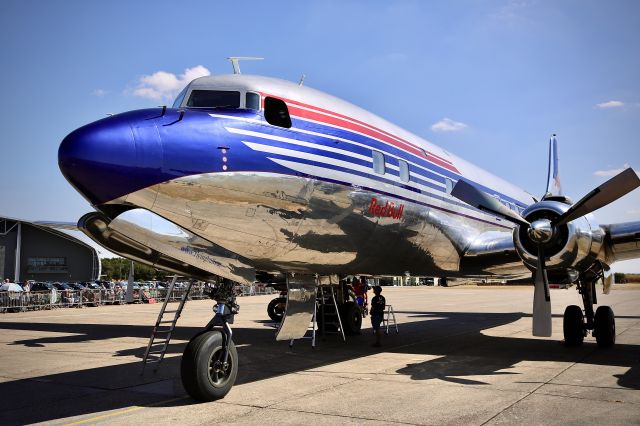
column 100, row 159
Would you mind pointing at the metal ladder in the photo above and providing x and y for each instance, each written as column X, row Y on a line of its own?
column 161, row 332
column 332, row 312
column 321, row 305
column 389, row 315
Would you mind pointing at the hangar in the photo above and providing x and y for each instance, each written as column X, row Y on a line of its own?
column 32, row 252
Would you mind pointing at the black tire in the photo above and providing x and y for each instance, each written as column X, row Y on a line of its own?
column 200, row 378
column 605, row 327
column 351, row 317
column 276, row 308
column 573, row 326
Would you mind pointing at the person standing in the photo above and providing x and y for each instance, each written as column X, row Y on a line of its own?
column 378, row 304
column 360, row 290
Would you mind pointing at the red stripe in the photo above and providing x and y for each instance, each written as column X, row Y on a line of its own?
column 375, row 129
column 323, row 116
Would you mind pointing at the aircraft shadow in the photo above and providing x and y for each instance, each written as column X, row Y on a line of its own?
column 456, row 340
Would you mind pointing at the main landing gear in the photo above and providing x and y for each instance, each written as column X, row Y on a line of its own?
column 210, row 361
column 602, row 323
column 277, row 306
column 350, row 312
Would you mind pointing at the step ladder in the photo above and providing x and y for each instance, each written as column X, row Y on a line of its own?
column 162, row 331
column 329, row 312
column 389, row 316
column 327, row 305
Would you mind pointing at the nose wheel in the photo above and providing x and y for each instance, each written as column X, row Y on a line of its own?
column 206, row 376
column 209, row 364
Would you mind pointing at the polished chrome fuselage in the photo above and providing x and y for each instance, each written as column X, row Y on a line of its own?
column 297, row 224
column 303, row 199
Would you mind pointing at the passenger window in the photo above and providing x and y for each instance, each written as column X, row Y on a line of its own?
column 276, row 112
column 378, row 162
column 404, row 171
column 214, row 99
column 448, row 184
column 252, row 101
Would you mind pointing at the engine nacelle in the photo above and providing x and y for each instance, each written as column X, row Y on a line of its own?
column 573, row 247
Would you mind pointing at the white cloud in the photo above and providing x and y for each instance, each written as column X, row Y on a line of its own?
column 448, row 125
column 162, row 85
column 99, row 92
column 610, row 172
column 610, row 104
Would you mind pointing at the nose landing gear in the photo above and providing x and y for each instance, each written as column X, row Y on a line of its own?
column 210, row 361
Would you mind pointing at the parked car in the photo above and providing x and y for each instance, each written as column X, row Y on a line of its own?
column 40, row 286
column 92, row 285
column 77, row 286
column 68, row 294
column 43, row 293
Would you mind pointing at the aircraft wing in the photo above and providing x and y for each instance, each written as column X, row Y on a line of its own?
column 493, row 253
column 622, row 241
column 68, row 226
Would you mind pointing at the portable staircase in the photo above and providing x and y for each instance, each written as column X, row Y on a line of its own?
column 327, row 308
column 162, row 331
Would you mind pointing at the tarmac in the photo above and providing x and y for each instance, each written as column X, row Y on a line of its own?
column 463, row 355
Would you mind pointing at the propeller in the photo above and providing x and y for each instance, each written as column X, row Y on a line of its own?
column 542, row 231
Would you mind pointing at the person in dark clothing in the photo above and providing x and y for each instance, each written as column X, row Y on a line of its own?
column 378, row 304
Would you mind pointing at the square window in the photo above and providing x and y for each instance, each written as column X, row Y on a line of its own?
column 378, row 162
column 404, row 171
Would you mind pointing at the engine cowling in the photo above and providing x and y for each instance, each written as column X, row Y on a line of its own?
column 573, row 247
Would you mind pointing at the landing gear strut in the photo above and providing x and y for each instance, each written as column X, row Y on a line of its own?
column 601, row 323
column 210, row 361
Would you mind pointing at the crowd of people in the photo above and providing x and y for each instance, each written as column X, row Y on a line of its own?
column 45, row 295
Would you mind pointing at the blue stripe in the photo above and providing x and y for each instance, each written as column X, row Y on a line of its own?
column 332, row 132
column 326, row 136
column 378, row 178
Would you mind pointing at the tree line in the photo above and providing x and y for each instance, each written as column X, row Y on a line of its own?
column 117, row 268
column 622, row 278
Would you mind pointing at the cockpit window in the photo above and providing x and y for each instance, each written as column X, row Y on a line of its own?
column 276, row 112
column 214, row 99
column 180, row 98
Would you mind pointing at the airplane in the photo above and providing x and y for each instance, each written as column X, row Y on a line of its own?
column 247, row 176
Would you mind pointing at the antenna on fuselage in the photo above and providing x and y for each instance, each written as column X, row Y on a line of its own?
column 235, row 62
column 301, row 82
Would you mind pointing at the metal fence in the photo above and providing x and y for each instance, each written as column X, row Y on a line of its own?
column 254, row 290
column 11, row 301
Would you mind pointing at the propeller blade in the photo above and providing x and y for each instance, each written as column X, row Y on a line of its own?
column 616, row 187
column 541, row 299
column 471, row 195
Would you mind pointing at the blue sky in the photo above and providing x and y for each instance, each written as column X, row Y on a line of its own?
column 504, row 75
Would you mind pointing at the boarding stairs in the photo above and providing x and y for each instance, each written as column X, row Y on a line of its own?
column 326, row 307
column 162, row 331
